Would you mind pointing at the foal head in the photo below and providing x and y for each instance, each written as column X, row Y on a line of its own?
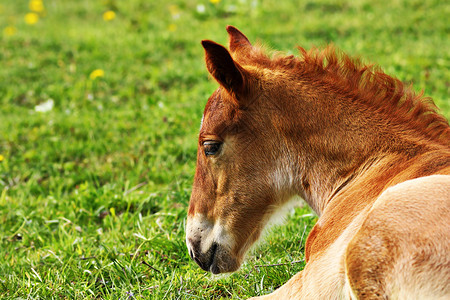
column 240, row 180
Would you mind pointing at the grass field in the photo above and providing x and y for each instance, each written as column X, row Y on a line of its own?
column 100, row 107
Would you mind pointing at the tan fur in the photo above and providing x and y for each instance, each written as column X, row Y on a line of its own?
column 370, row 156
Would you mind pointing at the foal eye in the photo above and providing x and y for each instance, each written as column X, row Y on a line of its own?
column 211, row 147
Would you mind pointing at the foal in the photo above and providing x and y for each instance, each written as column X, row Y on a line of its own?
column 367, row 154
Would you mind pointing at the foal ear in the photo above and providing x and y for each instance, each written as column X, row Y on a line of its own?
column 238, row 41
column 223, row 68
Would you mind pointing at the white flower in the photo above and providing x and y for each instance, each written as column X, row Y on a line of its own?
column 201, row 8
column 45, row 106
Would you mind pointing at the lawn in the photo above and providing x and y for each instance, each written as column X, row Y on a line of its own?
column 100, row 104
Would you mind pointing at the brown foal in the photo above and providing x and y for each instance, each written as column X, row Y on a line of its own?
column 371, row 157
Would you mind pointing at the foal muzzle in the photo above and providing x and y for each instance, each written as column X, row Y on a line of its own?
column 209, row 245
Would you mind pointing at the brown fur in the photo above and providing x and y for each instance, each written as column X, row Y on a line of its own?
column 331, row 70
column 370, row 156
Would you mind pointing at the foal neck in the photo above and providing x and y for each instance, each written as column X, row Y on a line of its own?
column 337, row 142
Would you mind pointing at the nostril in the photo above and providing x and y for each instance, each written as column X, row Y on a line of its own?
column 212, row 253
column 191, row 254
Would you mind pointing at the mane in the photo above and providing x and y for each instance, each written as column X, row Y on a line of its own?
column 368, row 83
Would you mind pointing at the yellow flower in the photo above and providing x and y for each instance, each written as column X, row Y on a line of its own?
column 214, row 1
column 174, row 9
column 2, row 158
column 97, row 73
column 9, row 30
column 31, row 18
column 36, row 6
column 109, row 15
column 172, row 27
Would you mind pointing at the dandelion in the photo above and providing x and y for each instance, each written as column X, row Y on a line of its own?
column 174, row 11
column 36, row 6
column 172, row 27
column 109, row 15
column 2, row 158
column 96, row 73
column 214, row 1
column 31, row 18
column 9, row 31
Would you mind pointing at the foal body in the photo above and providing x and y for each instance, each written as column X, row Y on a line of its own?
column 394, row 246
column 368, row 155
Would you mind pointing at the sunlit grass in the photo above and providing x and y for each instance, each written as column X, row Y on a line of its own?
column 100, row 107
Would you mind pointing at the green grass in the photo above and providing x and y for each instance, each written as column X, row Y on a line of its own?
column 93, row 193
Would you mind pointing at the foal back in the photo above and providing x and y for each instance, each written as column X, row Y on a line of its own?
column 402, row 250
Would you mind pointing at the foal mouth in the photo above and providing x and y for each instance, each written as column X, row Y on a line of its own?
column 210, row 245
column 207, row 264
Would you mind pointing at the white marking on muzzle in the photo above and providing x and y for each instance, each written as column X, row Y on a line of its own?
column 206, row 233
